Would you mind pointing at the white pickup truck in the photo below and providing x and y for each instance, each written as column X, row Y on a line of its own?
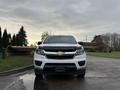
column 60, row 54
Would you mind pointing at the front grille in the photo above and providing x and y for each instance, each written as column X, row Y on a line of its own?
column 60, row 64
column 62, row 50
column 63, row 67
column 60, row 57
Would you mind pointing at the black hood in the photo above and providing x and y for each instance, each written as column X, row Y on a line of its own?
column 59, row 48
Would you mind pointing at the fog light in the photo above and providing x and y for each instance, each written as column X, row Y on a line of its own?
column 81, row 63
column 38, row 63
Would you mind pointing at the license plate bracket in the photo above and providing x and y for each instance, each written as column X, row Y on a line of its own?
column 60, row 69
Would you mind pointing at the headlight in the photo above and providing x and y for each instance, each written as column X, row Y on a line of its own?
column 40, row 51
column 80, row 52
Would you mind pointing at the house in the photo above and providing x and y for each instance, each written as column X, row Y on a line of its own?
column 20, row 50
column 89, row 46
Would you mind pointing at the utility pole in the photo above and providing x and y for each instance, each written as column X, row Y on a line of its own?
column 110, row 42
column 86, row 38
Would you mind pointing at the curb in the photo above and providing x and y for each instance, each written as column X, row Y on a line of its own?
column 14, row 71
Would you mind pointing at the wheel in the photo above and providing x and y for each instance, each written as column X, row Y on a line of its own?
column 40, row 76
column 37, row 74
column 81, row 75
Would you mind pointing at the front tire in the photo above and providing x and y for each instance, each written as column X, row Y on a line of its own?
column 37, row 74
column 82, row 75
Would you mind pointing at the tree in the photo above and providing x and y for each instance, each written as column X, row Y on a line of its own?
column 21, row 37
column 44, row 35
column 111, row 41
column 9, row 39
column 5, row 39
column 13, row 40
column 18, row 40
column 0, row 38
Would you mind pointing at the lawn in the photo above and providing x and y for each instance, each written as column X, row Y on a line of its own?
column 105, row 54
column 12, row 62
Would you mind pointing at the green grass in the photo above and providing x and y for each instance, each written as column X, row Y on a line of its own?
column 105, row 54
column 13, row 62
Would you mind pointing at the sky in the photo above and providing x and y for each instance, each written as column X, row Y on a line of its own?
column 81, row 18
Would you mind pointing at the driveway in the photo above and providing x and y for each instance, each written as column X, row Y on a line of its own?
column 102, row 74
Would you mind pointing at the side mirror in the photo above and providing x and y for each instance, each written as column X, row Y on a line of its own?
column 81, row 43
column 39, row 43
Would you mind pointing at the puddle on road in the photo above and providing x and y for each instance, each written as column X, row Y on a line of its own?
column 26, row 82
column 95, row 74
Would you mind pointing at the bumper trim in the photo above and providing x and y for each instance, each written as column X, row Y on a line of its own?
column 79, row 71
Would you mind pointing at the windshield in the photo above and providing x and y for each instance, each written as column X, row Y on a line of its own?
column 60, row 39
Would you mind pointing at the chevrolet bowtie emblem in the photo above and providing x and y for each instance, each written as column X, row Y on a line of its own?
column 60, row 53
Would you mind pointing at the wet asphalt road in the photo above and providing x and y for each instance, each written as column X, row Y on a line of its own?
column 102, row 74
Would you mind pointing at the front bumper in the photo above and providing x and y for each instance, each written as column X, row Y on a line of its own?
column 45, row 60
column 61, row 66
column 51, row 71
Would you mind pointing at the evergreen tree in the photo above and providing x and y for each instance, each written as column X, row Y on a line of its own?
column 18, row 40
column 0, row 38
column 21, row 37
column 9, row 37
column 13, row 40
column 5, row 39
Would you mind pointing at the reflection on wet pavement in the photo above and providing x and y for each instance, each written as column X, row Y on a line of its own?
column 58, row 83
column 17, row 85
column 55, row 82
column 24, row 82
column 102, row 74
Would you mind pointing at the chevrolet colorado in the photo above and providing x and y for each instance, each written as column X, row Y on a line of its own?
column 60, row 54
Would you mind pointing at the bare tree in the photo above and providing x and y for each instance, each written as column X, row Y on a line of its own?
column 44, row 35
column 111, row 40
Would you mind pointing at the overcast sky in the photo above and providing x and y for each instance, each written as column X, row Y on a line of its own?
column 80, row 18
